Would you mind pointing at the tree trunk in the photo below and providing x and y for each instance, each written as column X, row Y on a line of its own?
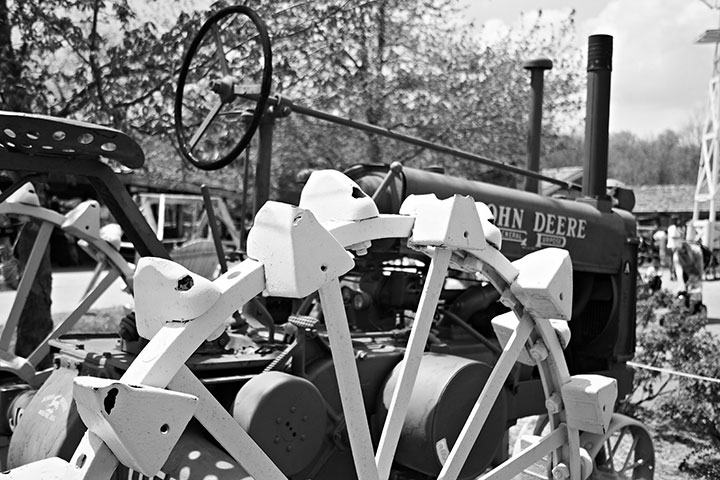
column 35, row 320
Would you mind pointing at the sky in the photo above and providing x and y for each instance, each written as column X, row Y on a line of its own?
column 660, row 78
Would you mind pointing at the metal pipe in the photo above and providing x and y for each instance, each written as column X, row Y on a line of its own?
column 537, row 69
column 246, row 118
column 214, row 228
column 285, row 105
column 263, row 167
column 394, row 170
column 597, row 119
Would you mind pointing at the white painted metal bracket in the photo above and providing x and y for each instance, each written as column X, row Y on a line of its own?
column 450, row 223
column 25, row 195
column 298, row 253
column 332, row 196
column 85, row 218
column 349, row 214
column 589, row 401
column 168, row 292
column 139, row 424
column 544, row 285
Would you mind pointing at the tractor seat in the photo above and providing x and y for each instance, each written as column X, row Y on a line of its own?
column 41, row 135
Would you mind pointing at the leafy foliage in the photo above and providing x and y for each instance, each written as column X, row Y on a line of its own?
column 95, row 61
column 667, row 159
column 672, row 338
column 415, row 67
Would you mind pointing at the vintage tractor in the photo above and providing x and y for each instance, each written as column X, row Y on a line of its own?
column 398, row 335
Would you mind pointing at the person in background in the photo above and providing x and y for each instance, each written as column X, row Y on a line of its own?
column 653, row 279
column 688, row 266
column 674, row 239
column 660, row 239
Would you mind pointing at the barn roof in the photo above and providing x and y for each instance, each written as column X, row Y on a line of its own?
column 665, row 199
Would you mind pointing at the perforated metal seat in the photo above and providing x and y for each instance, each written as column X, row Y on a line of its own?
column 42, row 135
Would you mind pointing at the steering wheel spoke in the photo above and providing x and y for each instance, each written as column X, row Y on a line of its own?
column 205, row 124
column 220, row 50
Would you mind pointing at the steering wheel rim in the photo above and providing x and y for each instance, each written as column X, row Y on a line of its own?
column 259, row 109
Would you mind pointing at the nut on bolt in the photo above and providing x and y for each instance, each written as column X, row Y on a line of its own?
column 360, row 248
column 553, row 403
column 538, row 351
column 561, row 472
column 508, row 299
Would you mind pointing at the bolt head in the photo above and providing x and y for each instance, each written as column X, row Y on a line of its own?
column 561, row 472
column 553, row 403
column 538, row 351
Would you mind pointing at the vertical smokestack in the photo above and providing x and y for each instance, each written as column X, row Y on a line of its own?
column 537, row 69
column 598, row 117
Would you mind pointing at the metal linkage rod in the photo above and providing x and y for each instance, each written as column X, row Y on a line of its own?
column 285, row 106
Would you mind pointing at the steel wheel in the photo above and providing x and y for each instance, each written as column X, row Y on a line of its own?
column 101, row 251
column 625, row 452
column 226, row 73
column 161, row 364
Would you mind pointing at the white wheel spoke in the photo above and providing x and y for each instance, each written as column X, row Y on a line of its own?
column 632, row 466
column 529, row 456
column 608, row 455
column 348, row 381
column 223, row 427
column 630, row 454
column 26, row 282
column 486, row 400
column 621, row 435
column 44, row 348
column 411, row 361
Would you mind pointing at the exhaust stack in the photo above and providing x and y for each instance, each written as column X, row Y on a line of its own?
column 597, row 120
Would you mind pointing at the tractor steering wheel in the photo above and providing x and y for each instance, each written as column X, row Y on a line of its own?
column 223, row 88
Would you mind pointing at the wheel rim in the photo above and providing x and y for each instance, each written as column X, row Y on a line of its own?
column 101, row 250
column 161, row 363
column 627, row 453
column 213, row 125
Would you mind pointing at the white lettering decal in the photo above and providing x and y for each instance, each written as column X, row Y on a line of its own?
column 550, row 224
column 493, row 209
column 572, row 225
column 561, row 225
column 517, row 218
column 518, row 236
column 503, row 217
column 581, row 229
column 544, row 240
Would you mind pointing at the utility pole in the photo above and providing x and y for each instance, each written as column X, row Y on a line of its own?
column 706, row 188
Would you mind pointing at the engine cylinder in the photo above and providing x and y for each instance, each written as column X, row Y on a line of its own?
column 445, row 392
column 285, row 415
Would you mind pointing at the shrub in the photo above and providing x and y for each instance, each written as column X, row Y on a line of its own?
column 670, row 336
